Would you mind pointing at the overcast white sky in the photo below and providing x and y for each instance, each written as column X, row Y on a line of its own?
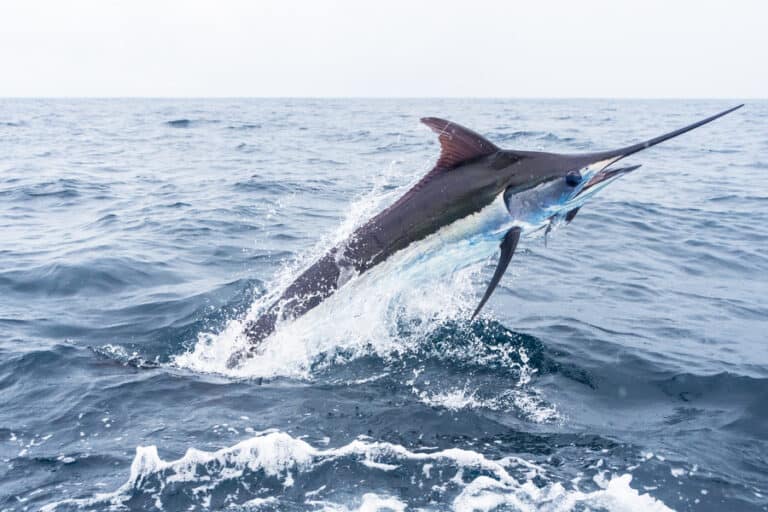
column 537, row 48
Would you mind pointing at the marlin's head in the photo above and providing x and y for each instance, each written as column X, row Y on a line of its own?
column 558, row 197
column 543, row 188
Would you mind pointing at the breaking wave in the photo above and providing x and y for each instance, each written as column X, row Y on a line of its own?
column 274, row 467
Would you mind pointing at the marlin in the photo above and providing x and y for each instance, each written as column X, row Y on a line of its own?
column 538, row 189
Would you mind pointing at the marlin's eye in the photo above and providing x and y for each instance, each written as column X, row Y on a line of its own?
column 573, row 178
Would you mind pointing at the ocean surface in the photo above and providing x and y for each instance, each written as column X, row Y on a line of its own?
column 622, row 367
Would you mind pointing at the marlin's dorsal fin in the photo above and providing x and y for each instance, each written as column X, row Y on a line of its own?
column 457, row 144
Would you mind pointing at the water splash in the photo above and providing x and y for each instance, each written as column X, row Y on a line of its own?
column 274, row 468
column 423, row 286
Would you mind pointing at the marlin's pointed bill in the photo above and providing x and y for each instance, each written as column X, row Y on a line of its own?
column 634, row 148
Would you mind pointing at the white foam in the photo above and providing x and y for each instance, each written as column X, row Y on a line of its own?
column 455, row 399
column 486, row 494
column 508, row 481
column 522, row 398
column 372, row 503
column 259, row 503
column 525, row 401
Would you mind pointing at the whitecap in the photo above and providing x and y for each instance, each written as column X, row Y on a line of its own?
column 243, row 469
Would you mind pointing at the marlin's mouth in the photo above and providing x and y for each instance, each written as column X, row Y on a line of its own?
column 604, row 176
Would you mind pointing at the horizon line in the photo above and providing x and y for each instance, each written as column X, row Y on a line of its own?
column 162, row 97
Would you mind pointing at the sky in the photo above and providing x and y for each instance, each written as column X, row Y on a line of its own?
column 384, row 48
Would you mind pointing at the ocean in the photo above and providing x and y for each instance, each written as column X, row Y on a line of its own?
column 624, row 366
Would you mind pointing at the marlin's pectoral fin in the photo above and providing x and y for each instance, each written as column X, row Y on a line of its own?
column 508, row 245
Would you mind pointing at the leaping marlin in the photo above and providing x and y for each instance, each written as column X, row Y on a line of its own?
column 539, row 189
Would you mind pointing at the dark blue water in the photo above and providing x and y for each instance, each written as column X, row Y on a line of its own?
column 623, row 367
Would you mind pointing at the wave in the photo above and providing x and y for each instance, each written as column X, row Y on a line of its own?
column 278, row 470
column 397, row 147
column 189, row 123
column 244, row 126
column 757, row 164
column 247, row 148
column 529, row 135
column 62, row 188
column 103, row 276
column 120, row 354
column 345, row 136
column 179, row 123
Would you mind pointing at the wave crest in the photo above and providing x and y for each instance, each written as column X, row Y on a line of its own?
column 274, row 468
